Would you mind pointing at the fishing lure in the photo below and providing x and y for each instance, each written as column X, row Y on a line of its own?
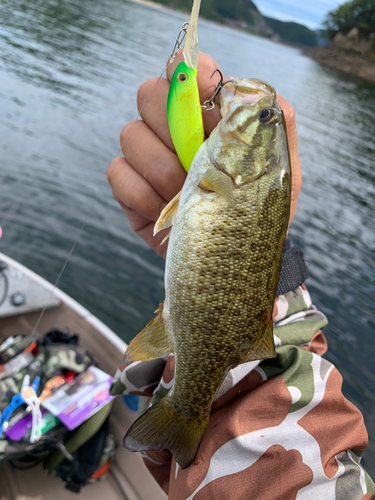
column 183, row 107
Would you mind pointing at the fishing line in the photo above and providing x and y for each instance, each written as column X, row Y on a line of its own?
column 171, row 60
column 68, row 258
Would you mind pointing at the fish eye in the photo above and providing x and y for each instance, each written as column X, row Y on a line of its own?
column 182, row 77
column 266, row 115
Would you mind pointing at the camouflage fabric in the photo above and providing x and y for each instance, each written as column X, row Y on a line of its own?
column 19, row 344
column 279, row 429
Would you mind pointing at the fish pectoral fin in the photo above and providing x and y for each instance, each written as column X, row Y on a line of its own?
column 165, row 427
column 264, row 348
column 152, row 342
column 216, row 181
column 168, row 215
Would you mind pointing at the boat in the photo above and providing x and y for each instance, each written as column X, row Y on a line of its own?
column 21, row 302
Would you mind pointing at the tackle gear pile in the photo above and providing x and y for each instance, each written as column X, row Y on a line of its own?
column 78, row 457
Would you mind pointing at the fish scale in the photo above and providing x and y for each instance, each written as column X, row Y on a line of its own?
column 250, row 304
column 222, row 267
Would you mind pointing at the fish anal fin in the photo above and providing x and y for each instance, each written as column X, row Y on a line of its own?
column 166, row 237
column 263, row 348
column 164, row 427
column 152, row 342
column 221, row 184
column 168, row 214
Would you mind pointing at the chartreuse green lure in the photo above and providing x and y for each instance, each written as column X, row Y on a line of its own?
column 183, row 108
column 184, row 114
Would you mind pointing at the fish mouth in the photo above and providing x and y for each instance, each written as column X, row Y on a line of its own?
column 240, row 101
column 247, row 91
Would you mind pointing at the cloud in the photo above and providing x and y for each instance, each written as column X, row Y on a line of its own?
column 310, row 13
column 284, row 17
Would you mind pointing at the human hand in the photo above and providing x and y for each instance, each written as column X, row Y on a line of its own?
column 150, row 173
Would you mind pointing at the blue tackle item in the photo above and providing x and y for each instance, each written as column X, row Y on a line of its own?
column 27, row 396
column 132, row 402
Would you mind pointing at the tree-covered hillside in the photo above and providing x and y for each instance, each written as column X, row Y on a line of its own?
column 293, row 32
column 245, row 14
column 358, row 14
column 351, row 28
column 218, row 10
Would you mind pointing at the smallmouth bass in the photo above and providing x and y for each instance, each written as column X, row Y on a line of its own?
column 222, row 268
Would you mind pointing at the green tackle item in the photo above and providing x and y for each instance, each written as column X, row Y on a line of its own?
column 183, row 108
column 77, row 438
column 184, row 114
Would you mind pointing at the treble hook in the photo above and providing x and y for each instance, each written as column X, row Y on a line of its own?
column 210, row 104
column 178, row 43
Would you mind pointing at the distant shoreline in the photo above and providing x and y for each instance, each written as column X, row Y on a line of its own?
column 150, row 3
column 347, row 53
column 229, row 25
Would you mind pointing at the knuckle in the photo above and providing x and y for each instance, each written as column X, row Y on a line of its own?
column 144, row 91
column 112, row 170
column 128, row 131
column 116, row 172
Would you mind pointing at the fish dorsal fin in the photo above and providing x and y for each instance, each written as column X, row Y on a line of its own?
column 152, row 342
column 168, row 215
column 216, row 181
column 263, row 348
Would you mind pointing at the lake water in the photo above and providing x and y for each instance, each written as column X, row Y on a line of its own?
column 69, row 72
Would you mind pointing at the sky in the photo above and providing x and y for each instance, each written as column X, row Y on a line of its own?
column 311, row 13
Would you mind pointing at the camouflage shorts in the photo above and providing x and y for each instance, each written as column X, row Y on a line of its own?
column 279, row 429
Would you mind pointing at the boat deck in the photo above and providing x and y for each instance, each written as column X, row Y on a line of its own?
column 128, row 478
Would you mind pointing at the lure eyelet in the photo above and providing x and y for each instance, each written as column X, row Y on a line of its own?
column 182, row 77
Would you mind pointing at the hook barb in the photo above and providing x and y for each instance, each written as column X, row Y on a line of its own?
column 210, row 103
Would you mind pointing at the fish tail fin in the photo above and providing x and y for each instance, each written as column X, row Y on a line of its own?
column 164, row 427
